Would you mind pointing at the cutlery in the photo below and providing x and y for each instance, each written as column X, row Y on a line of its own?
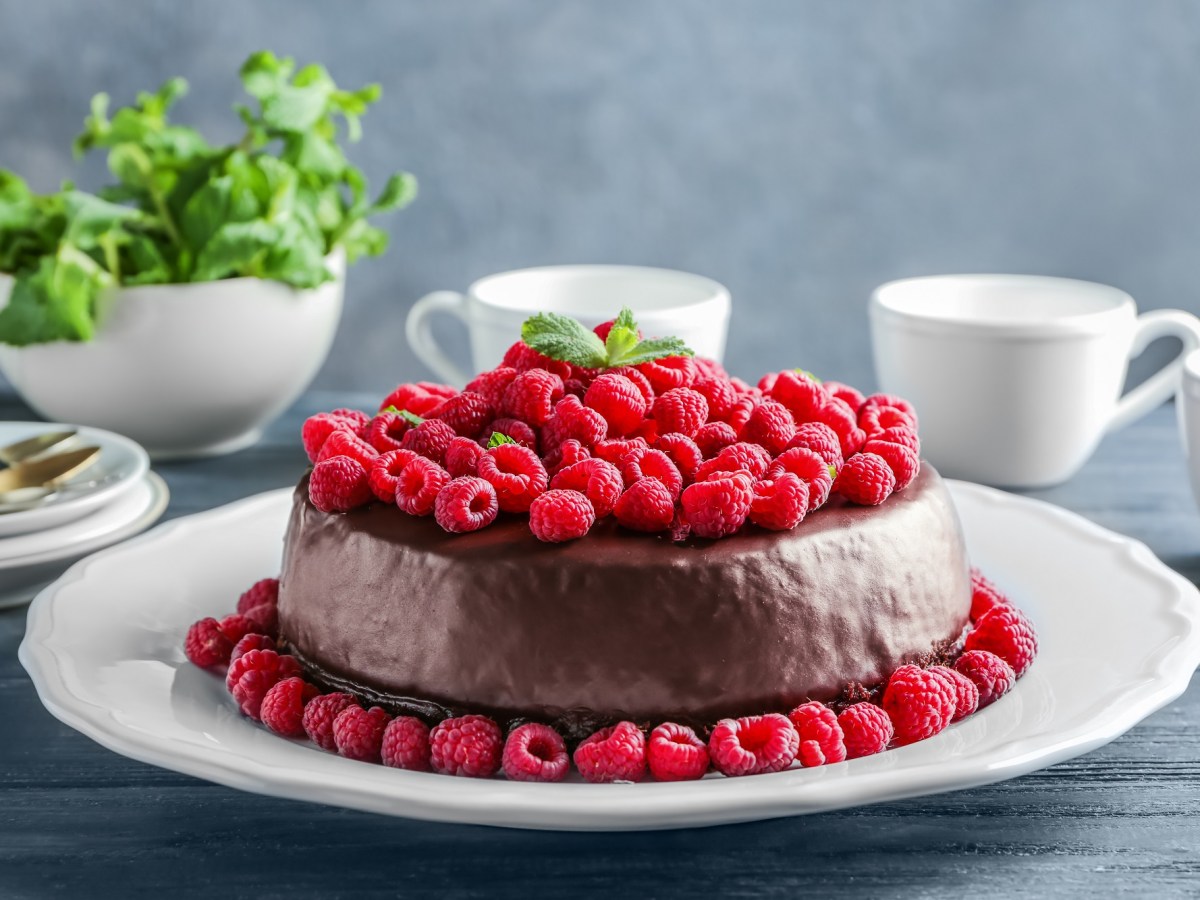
column 26, row 481
column 28, row 448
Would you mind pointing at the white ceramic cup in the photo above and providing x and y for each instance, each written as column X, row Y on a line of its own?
column 664, row 302
column 1016, row 378
column 1187, row 408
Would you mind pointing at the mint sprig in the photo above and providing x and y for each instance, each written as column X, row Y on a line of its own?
column 568, row 340
column 498, row 438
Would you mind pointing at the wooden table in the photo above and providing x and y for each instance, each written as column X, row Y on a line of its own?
column 77, row 820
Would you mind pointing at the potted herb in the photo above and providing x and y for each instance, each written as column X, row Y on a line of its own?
column 190, row 302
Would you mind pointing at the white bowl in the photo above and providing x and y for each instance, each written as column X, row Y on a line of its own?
column 184, row 369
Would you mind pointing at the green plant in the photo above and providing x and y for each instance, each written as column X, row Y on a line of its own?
column 273, row 205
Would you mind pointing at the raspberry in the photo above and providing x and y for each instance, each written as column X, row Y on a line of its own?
column 418, row 485
column 683, row 453
column 317, row 429
column 779, row 504
column 866, row 729
column 640, row 381
column 840, row 417
column 674, row 753
column 318, row 717
column 821, row 739
column 491, row 385
column 419, row 399
column 713, row 437
column 358, row 732
column 821, row 440
column 848, row 395
column 430, row 439
column 338, row 485
column 253, row 674
column 718, row 507
column 809, row 468
column 564, row 456
column 283, row 706
column 865, row 479
column 718, row 392
column 619, row 401
column 263, row 593
column 902, row 461
column 984, row 595
column 355, row 419
column 523, row 358
column 892, row 402
column 574, row 421
column 707, row 367
column 467, row 745
column 802, row 394
column 560, row 515
column 462, row 457
column 753, row 744
column 614, row 450
column 646, row 505
column 741, row 456
column 646, row 463
column 466, row 504
column 511, row 428
column 989, row 673
column 405, row 744
column 919, row 702
column 206, row 645
column 681, row 410
column 598, row 480
column 905, row 436
column 770, row 426
column 1007, row 632
column 386, row 431
column 739, row 414
column 532, row 395
column 535, row 753
column 966, row 695
column 346, row 443
column 251, row 642
column 668, row 373
column 466, row 413
column 615, row 753
column 235, row 626
column 516, row 473
column 384, row 475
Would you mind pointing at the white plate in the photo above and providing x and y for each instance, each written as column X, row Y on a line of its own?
column 121, row 465
column 1118, row 629
column 50, row 552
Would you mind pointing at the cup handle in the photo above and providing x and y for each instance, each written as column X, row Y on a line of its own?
column 1160, row 386
column 420, row 335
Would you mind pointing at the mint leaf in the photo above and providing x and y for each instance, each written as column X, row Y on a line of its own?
column 412, row 418
column 652, row 349
column 622, row 337
column 565, row 339
column 497, row 439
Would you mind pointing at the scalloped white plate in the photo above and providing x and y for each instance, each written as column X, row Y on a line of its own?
column 1118, row 630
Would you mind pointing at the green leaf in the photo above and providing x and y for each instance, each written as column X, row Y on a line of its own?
column 362, row 239
column 411, row 418
column 499, row 438
column 652, row 349
column 56, row 302
column 145, row 262
column 399, row 191
column 563, row 338
column 236, row 248
column 89, row 218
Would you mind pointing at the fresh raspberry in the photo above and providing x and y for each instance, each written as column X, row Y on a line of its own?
column 640, row 381
column 598, row 480
column 430, row 439
column 874, row 419
column 418, row 485
column 680, row 410
column 707, row 367
column 560, row 515
column 236, row 626
column 615, row 753
column 406, row 744
column 492, row 384
column 736, row 457
column 753, row 744
column 511, row 428
column 866, row 729
column 614, row 450
column 419, row 399
column 283, row 706
column 966, row 695
column 253, row 674
column 1007, row 632
column 355, row 418
column 384, row 475
column 535, row 752
column 564, row 456
column 718, row 392
column 524, row 358
column 338, row 485
column 646, row 463
column 809, row 468
column 675, row 753
column 466, row 413
column 713, row 437
column 346, row 443
column 919, row 702
column 821, row 440
column 779, row 504
column 767, row 382
column 318, row 717
column 905, row 436
column 821, row 738
column 848, row 395
column 467, row 745
column 718, row 507
column 317, row 429
column 668, row 373
column 532, row 395
column 251, row 642
column 683, row 453
column 462, row 457
column 574, row 421
column 386, row 431
column 646, row 505
column 903, row 462
column 358, row 732
column 259, row 601
column 619, row 401
column 466, row 504
column 984, row 595
column 840, row 417
column 771, row 426
column 891, row 401
column 802, row 394
column 206, row 645
column 865, row 479
column 989, row 673
column 741, row 411
column 516, row 473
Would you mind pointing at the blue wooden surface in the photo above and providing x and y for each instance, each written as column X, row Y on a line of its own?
column 79, row 821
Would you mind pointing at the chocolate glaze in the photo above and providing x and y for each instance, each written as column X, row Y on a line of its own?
column 620, row 625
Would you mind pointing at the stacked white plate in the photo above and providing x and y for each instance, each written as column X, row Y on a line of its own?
column 114, row 499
